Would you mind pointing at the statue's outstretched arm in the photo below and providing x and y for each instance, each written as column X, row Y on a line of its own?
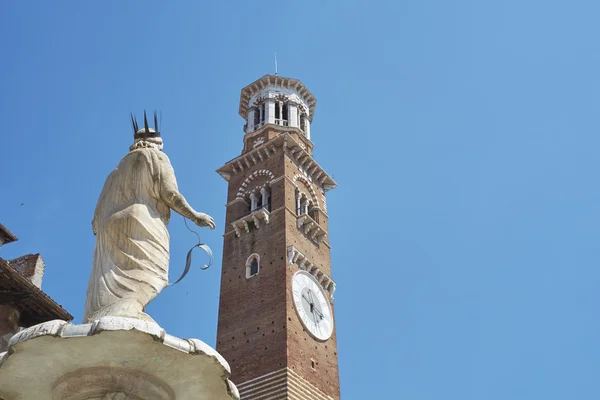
column 169, row 193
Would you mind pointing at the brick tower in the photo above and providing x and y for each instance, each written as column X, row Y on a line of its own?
column 276, row 326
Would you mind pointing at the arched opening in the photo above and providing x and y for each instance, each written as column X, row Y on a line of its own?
column 252, row 265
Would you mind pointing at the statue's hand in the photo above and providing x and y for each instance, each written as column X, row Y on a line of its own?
column 202, row 219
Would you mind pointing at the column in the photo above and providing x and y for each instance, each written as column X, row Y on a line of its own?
column 265, row 198
column 307, row 128
column 298, row 203
column 253, row 202
column 270, row 109
column 293, row 115
column 280, row 105
column 251, row 120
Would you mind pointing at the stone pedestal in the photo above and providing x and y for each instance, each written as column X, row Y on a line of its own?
column 112, row 358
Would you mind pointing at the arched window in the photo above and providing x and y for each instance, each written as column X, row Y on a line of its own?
column 252, row 265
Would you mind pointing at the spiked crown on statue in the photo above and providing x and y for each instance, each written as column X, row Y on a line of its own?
column 145, row 132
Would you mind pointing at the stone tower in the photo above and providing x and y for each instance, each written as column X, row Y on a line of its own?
column 276, row 326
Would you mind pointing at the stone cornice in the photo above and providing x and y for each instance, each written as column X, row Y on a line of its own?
column 236, row 200
column 307, row 164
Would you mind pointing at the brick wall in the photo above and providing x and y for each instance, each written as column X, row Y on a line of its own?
column 259, row 331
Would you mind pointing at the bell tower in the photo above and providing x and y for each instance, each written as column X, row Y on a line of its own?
column 276, row 325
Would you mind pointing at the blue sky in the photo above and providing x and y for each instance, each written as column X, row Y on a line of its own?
column 463, row 135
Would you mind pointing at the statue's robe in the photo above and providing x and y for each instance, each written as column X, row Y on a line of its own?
column 131, row 256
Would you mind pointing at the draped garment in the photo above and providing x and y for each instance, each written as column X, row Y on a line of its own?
column 131, row 256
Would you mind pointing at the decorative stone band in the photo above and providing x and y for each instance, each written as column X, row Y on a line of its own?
column 282, row 384
column 295, row 151
column 295, row 257
column 256, row 217
column 244, row 187
column 112, row 357
column 311, row 191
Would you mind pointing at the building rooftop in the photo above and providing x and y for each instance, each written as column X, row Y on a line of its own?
column 6, row 236
column 19, row 292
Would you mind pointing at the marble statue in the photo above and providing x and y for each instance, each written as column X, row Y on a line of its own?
column 131, row 257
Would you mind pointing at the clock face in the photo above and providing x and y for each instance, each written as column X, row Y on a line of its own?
column 312, row 305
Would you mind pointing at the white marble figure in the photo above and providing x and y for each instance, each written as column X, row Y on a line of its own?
column 131, row 257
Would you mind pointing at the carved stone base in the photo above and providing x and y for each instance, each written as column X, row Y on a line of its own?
column 113, row 358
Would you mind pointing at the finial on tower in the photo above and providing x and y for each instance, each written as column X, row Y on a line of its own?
column 145, row 132
column 275, row 63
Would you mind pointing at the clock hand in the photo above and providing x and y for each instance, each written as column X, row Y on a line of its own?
column 312, row 307
column 307, row 300
column 321, row 316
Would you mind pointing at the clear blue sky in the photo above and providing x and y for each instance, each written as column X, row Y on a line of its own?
column 463, row 135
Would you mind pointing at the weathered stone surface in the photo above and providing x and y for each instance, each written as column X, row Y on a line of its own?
column 112, row 358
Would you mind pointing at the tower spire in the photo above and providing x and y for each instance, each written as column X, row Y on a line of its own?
column 275, row 63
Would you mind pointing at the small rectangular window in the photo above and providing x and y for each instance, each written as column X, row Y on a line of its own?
column 284, row 113
column 256, row 117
